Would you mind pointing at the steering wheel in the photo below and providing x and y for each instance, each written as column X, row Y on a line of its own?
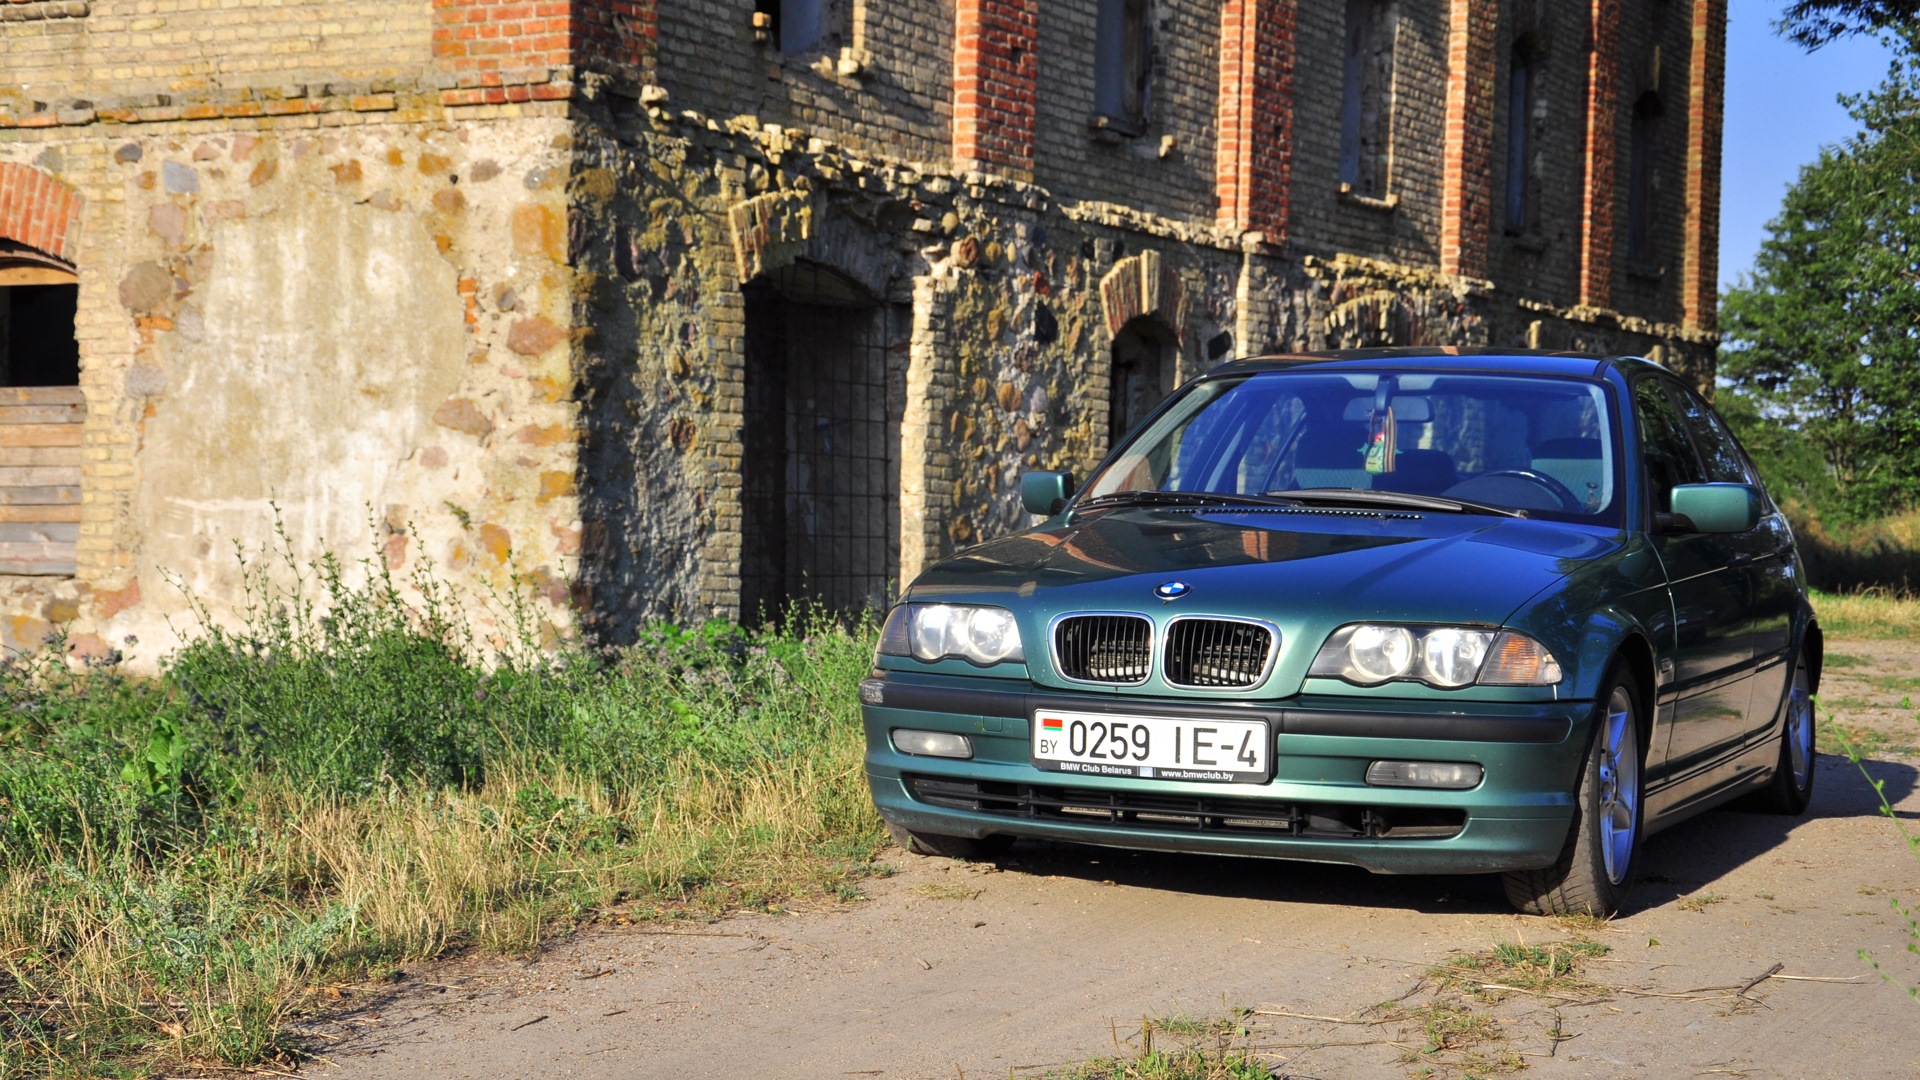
column 1561, row 493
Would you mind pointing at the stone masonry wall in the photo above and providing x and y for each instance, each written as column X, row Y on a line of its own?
column 463, row 280
column 360, row 331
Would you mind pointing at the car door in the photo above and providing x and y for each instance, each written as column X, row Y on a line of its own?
column 1764, row 556
column 1711, row 648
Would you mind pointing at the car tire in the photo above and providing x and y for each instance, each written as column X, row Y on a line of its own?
column 952, row 847
column 1792, row 785
column 1597, row 866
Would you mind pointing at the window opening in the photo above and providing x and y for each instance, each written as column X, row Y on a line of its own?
column 1123, row 65
column 820, row 475
column 1643, row 181
column 1144, row 356
column 1521, row 80
column 804, row 25
column 1366, row 113
column 42, row 413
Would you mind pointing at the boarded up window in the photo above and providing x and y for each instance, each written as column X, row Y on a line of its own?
column 41, row 416
column 820, row 473
column 807, row 25
column 1643, row 177
column 1143, row 373
column 1366, row 105
column 1122, row 65
column 1522, row 79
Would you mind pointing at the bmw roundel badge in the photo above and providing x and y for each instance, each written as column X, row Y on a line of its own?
column 1173, row 590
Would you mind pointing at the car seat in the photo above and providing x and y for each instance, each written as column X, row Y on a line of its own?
column 1575, row 462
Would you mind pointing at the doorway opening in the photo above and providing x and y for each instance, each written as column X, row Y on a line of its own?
column 820, row 471
column 1145, row 355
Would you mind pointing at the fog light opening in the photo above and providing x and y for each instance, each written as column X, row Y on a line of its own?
column 932, row 743
column 1446, row 775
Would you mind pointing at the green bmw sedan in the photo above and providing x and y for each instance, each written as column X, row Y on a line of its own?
column 1421, row 611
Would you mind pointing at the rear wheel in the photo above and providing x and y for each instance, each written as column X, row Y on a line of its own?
column 1596, row 868
column 1792, row 786
column 952, row 847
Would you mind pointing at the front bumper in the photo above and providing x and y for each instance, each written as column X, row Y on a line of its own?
column 1317, row 808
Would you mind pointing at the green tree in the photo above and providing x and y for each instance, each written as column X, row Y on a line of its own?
column 1824, row 335
column 1813, row 23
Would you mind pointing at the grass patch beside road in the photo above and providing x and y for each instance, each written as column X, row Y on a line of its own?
column 340, row 786
column 1876, row 614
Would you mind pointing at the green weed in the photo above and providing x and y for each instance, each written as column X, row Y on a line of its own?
column 350, row 778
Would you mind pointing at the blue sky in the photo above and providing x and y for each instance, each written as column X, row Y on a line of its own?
column 1780, row 111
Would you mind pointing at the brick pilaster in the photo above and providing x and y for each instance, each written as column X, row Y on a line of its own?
column 995, row 71
column 1467, row 155
column 38, row 211
column 1706, row 75
column 1600, row 191
column 616, row 36
column 490, row 36
column 1252, row 166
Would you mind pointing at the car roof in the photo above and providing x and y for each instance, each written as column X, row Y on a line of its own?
column 1436, row 358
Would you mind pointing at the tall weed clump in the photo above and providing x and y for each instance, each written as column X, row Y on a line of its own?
column 350, row 775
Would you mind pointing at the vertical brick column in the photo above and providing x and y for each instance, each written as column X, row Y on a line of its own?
column 1706, row 79
column 487, row 37
column 1600, row 192
column 1467, row 156
column 616, row 36
column 38, row 211
column 995, row 70
column 1252, row 165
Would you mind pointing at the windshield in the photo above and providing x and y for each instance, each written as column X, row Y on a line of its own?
column 1538, row 445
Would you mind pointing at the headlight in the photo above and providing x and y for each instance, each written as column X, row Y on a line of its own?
column 1442, row 656
column 981, row 635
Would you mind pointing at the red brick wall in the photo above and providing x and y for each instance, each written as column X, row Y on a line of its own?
column 1600, row 192
column 615, row 35
column 501, row 35
column 994, row 70
column 1253, row 160
column 1467, row 178
column 492, row 44
column 38, row 211
column 1706, row 72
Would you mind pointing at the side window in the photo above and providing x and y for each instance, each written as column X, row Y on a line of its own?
column 1122, row 65
column 1718, row 450
column 1670, row 460
column 1366, row 106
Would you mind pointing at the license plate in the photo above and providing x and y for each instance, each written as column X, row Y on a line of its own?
column 1153, row 747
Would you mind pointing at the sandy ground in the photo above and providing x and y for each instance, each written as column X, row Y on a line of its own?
column 1056, row 955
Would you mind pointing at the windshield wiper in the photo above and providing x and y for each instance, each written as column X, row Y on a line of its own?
column 1183, row 498
column 1367, row 497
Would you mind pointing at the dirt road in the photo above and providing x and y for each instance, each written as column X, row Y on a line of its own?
column 954, row 970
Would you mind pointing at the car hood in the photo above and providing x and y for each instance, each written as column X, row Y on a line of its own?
column 1306, row 570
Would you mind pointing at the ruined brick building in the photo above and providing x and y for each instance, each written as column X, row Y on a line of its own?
column 676, row 308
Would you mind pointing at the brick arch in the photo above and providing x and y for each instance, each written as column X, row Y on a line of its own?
column 38, row 211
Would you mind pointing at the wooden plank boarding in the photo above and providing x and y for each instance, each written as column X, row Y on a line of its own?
column 39, row 476
column 25, row 456
column 42, row 414
column 41, row 395
column 39, row 512
column 40, row 434
column 41, row 495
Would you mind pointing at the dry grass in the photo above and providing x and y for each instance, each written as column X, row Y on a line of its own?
column 1877, row 614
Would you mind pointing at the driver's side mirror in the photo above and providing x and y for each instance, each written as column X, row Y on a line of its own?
column 1717, row 508
column 1045, row 493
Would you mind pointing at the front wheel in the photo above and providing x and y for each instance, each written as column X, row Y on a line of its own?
column 1596, row 868
column 953, row 847
column 1792, row 786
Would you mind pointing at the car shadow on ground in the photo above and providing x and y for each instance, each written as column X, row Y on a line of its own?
column 1678, row 862
column 1700, row 851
